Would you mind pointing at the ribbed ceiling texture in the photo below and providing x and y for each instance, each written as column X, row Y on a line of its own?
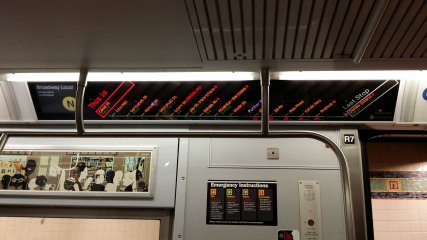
column 306, row 29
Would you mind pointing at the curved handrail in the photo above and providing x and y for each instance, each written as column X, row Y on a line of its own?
column 344, row 167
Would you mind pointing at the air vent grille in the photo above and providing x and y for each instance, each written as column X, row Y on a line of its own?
column 305, row 29
column 402, row 32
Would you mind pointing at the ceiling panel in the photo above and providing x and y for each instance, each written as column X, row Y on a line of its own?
column 326, row 21
column 420, row 51
column 306, row 7
column 335, row 28
column 350, row 16
column 382, row 25
column 358, row 26
column 316, row 17
column 403, row 27
column 323, row 30
column 391, row 28
column 96, row 33
column 414, row 34
column 211, row 34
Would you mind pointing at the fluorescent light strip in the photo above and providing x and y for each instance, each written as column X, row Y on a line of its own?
column 43, row 77
column 169, row 76
column 353, row 75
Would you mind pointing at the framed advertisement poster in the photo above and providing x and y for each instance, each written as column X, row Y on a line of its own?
column 79, row 173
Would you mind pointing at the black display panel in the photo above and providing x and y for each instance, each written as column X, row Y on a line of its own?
column 170, row 100
column 346, row 100
column 242, row 203
column 54, row 100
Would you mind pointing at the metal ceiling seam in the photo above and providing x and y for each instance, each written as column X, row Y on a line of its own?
column 193, row 26
column 366, row 36
column 236, row 28
column 335, row 29
column 208, row 18
column 216, row 32
column 323, row 30
column 253, row 31
column 356, row 32
column 221, row 29
column 233, row 40
column 307, row 9
column 258, row 30
column 292, row 28
column 310, row 24
column 297, row 28
column 227, row 33
column 242, row 27
column 344, row 33
column 201, row 29
column 264, row 29
column 281, row 28
column 285, row 32
column 309, row 54
column 391, row 8
column 391, row 27
column 276, row 19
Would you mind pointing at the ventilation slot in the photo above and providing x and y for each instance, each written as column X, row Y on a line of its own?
column 305, row 29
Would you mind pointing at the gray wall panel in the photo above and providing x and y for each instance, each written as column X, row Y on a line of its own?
column 198, row 173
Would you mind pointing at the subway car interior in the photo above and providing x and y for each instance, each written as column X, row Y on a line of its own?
column 213, row 119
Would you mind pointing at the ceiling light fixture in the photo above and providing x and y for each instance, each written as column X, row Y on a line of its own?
column 170, row 76
column 353, row 75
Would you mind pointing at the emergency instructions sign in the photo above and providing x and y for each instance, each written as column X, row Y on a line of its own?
column 242, row 203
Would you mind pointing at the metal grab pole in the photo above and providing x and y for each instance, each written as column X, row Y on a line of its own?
column 79, row 101
column 265, row 88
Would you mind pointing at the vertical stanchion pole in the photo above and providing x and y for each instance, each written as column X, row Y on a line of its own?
column 265, row 92
column 79, row 101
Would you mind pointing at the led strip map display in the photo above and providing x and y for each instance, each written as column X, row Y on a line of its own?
column 172, row 100
column 353, row 100
column 314, row 100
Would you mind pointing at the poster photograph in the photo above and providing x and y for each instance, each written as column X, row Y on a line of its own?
column 74, row 172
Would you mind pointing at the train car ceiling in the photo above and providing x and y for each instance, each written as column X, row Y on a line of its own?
column 213, row 35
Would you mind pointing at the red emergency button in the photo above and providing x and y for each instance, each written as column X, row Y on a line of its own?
column 310, row 222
